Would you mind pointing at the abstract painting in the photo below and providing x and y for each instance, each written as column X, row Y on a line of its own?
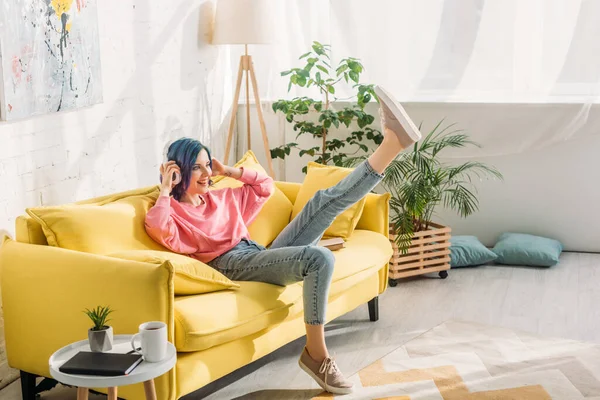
column 49, row 57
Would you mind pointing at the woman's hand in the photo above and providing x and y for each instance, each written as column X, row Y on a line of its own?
column 171, row 176
column 218, row 168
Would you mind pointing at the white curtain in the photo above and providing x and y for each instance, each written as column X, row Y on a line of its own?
column 533, row 52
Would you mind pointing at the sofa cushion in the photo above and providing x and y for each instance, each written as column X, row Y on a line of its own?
column 363, row 250
column 191, row 276
column 111, row 224
column 322, row 177
column 275, row 213
column 207, row 320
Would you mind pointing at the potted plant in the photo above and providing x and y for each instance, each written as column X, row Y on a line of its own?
column 319, row 73
column 100, row 335
column 419, row 182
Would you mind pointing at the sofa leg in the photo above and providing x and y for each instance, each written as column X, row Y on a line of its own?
column 374, row 309
column 28, row 389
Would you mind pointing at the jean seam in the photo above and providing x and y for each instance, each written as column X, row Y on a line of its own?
column 313, row 322
column 315, row 300
column 266, row 264
column 371, row 171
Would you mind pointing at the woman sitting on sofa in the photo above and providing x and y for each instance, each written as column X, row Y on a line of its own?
column 211, row 226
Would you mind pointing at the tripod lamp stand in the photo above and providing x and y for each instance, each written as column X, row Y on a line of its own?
column 245, row 22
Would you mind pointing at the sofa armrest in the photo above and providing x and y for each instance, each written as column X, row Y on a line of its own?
column 376, row 214
column 45, row 289
column 376, row 218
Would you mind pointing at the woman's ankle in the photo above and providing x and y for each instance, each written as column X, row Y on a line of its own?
column 317, row 355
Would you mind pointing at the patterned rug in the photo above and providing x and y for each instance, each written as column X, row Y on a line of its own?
column 465, row 361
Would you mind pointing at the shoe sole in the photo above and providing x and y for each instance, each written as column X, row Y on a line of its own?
column 400, row 114
column 325, row 387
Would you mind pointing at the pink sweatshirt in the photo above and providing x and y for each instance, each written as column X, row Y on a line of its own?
column 209, row 230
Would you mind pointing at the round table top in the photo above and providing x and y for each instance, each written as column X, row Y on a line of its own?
column 121, row 344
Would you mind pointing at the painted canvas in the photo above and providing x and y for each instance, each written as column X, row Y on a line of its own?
column 49, row 56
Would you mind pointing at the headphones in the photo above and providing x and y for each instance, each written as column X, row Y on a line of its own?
column 176, row 175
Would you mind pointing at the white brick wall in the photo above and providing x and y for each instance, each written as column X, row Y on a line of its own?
column 155, row 65
column 161, row 81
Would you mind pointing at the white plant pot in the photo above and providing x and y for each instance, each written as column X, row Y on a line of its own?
column 101, row 341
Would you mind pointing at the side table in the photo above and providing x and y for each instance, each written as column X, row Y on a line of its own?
column 144, row 372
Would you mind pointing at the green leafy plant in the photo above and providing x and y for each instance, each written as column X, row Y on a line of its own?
column 99, row 317
column 419, row 182
column 318, row 72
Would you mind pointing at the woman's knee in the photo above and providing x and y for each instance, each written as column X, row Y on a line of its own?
column 321, row 260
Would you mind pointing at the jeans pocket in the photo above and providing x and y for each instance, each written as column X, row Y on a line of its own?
column 252, row 243
column 259, row 246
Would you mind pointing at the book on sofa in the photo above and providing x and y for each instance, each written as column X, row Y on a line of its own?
column 102, row 364
column 332, row 244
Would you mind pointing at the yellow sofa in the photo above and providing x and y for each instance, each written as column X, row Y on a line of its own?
column 44, row 289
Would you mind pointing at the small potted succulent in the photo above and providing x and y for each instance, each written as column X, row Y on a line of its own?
column 100, row 335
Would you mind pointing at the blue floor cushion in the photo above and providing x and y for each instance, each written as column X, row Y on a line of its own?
column 468, row 251
column 523, row 249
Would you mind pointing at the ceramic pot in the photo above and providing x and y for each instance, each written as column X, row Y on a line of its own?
column 101, row 340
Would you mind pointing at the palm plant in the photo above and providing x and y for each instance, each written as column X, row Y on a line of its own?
column 419, row 182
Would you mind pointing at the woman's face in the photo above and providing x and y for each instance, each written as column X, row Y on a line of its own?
column 201, row 174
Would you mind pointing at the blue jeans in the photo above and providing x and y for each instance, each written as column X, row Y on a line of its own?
column 294, row 255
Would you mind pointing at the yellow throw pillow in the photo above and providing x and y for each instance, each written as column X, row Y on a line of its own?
column 191, row 276
column 319, row 177
column 274, row 215
column 113, row 224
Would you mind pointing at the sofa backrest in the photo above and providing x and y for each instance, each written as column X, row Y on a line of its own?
column 374, row 217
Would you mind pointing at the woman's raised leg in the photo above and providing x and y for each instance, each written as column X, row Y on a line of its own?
column 320, row 211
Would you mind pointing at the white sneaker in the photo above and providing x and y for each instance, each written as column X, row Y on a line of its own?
column 395, row 118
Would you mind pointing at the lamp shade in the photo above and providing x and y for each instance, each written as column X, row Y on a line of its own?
column 243, row 22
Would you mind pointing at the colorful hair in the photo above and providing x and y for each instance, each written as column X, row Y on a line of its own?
column 184, row 152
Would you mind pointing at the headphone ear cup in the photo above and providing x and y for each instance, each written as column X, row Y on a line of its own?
column 176, row 178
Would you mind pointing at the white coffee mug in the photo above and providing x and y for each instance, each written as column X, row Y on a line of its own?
column 153, row 338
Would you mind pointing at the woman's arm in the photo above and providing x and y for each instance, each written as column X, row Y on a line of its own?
column 159, row 222
column 161, row 227
column 232, row 172
column 253, row 194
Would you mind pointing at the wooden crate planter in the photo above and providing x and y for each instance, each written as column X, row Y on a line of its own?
column 429, row 252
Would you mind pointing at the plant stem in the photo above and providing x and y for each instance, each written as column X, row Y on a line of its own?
column 324, row 129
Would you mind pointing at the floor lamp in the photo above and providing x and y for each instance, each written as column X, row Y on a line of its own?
column 245, row 22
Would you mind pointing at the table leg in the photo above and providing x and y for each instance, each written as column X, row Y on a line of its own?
column 82, row 393
column 150, row 390
column 112, row 393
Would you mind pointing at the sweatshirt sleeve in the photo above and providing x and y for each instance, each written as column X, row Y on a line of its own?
column 161, row 227
column 253, row 194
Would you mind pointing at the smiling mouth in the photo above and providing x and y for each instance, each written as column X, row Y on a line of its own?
column 203, row 182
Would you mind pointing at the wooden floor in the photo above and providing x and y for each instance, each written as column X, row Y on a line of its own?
column 563, row 301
